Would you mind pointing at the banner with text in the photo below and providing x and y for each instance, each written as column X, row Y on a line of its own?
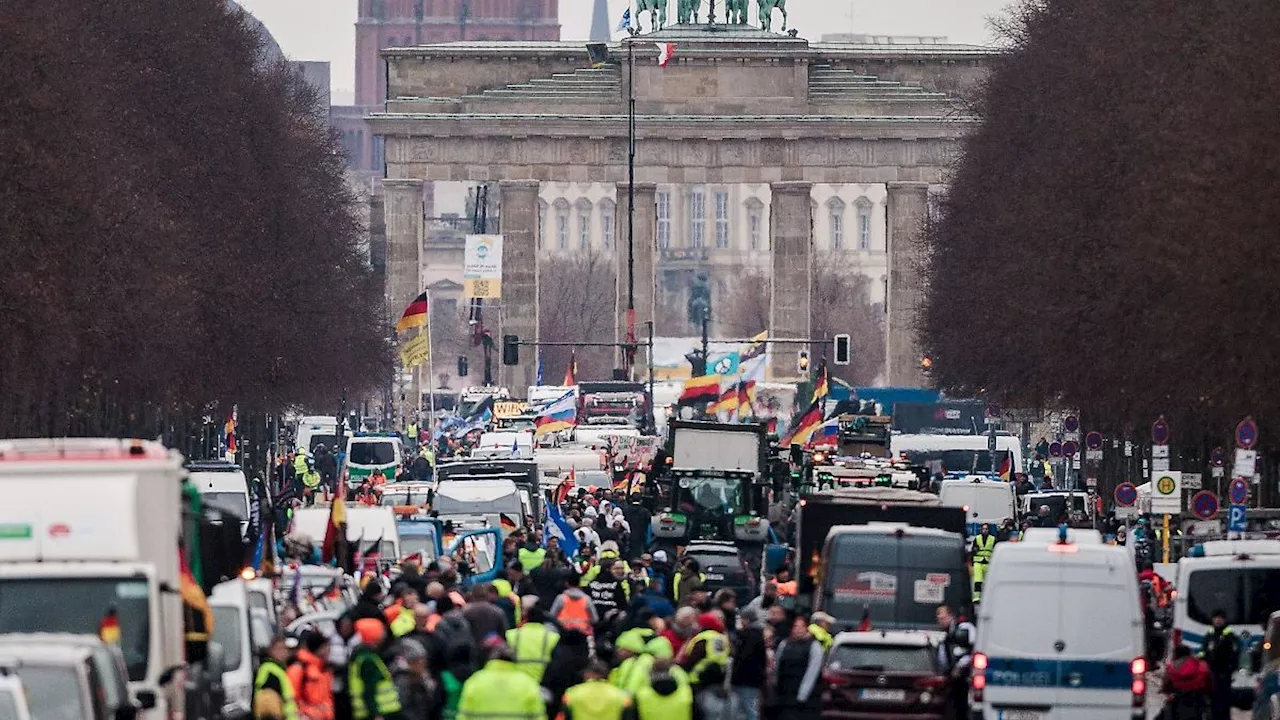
column 482, row 267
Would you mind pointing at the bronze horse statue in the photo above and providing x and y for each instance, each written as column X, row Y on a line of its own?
column 657, row 10
column 766, row 8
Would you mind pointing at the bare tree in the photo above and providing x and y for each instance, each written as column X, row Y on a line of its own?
column 747, row 311
column 576, row 304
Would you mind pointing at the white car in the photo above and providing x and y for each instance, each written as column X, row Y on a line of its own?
column 13, row 698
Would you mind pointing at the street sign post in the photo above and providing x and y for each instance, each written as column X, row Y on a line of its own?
column 1238, row 492
column 1126, row 494
column 1247, row 434
column 1204, row 505
column 1237, row 519
column 1166, row 492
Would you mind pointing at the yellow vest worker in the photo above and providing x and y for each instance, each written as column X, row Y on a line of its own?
column 504, row 589
column 675, row 582
column 983, row 546
column 717, row 653
column 272, row 681
column 533, row 644
column 368, row 679
column 668, row 696
column 501, row 690
column 300, row 464
column 311, row 479
column 595, row 699
column 530, row 559
column 404, row 622
column 820, row 634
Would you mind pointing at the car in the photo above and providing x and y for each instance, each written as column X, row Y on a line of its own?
column 61, row 682
column 107, row 660
column 13, row 698
column 884, row 674
column 1266, row 662
column 722, row 567
column 326, row 621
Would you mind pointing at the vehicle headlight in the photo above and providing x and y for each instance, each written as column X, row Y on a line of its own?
column 926, row 697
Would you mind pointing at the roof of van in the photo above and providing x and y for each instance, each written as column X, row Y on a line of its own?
column 476, row 490
column 1045, row 536
column 229, row 592
column 1036, row 553
column 1218, row 548
column 890, row 528
column 979, row 480
column 17, row 654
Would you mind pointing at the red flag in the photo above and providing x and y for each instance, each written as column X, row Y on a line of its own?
column 109, row 628
column 571, row 372
column 665, row 52
column 333, row 531
column 865, row 624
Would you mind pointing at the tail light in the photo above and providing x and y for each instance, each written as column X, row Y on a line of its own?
column 930, row 683
column 835, row 679
column 1138, row 669
column 978, row 679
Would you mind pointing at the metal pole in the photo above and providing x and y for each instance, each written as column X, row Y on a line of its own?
column 629, row 355
column 431, row 373
column 706, row 359
column 653, row 420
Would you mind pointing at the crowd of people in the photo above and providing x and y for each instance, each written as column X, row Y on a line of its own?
column 589, row 636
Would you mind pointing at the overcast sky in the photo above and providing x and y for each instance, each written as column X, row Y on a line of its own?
column 325, row 29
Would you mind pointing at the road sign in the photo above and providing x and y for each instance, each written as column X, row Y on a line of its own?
column 1055, row 449
column 1070, row 448
column 1218, row 457
column 1071, row 424
column 1160, row 431
column 1247, row 434
column 1237, row 519
column 1238, row 492
column 1192, row 481
column 1166, row 492
column 1204, row 504
column 1093, row 440
column 1094, row 455
column 1126, row 494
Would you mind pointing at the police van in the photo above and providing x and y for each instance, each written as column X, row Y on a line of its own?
column 1238, row 577
column 374, row 453
column 1046, row 650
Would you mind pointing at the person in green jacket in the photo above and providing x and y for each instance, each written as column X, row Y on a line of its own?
column 501, row 690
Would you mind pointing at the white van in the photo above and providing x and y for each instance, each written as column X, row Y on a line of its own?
column 478, row 498
column 241, row 639
column 1044, row 650
column 958, row 453
column 315, row 430
column 369, row 453
column 984, row 501
column 365, row 524
column 504, row 445
column 222, row 485
column 1239, row 577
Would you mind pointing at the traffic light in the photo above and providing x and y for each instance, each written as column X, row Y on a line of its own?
column 926, row 363
column 462, row 366
column 844, row 349
column 510, row 349
column 697, row 363
column 802, row 362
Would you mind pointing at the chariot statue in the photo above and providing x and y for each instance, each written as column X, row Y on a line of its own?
column 689, row 12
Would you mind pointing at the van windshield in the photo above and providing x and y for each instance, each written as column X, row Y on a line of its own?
column 897, row 582
column 959, row 461
column 226, row 632
column 415, row 544
column 372, row 453
column 80, row 606
column 1247, row 595
column 231, row 502
column 53, row 692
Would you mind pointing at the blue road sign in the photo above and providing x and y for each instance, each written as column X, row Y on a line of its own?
column 1126, row 494
column 1204, row 505
column 1247, row 433
column 1238, row 493
column 1237, row 519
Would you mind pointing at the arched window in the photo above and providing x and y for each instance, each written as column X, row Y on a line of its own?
column 608, row 216
column 562, row 223
column 863, row 207
column 755, row 223
column 835, row 222
column 584, row 223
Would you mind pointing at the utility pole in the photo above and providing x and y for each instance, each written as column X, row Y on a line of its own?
column 479, row 334
column 629, row 355
column 706, row 359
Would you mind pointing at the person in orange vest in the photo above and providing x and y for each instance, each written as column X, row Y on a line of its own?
column 573, row 610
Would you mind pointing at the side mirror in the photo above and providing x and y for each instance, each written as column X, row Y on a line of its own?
column 147, row 699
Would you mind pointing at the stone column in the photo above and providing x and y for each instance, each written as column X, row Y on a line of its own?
column 645, row 264
column 907, row 210
column 518, row 208
column 402, row 211
column 791, row 243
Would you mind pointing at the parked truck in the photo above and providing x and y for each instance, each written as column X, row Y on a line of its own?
column 90, row 542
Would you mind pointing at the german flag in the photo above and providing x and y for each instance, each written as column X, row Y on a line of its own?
column 822, row 386
column 700, row 389
column 109, row 628
column 333, row 531
column 508, row 525
column 415, row 315
column 571, row 371
column 803, row 427
column 746, row 392
column 756, row 348
column 727, row 401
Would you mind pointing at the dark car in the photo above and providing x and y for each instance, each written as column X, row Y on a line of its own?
column 884, row 674
column 723, row 567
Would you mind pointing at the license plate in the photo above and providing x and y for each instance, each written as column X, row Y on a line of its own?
column 883, row 695
column 714, row 576
column 1021, row 715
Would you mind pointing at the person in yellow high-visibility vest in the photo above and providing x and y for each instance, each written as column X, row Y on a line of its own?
column 274, row 697
column 595, row 698
column 533, row 643
column 984, row 546
column 501, row 690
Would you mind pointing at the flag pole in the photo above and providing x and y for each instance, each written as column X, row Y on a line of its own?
column 431, row 373
column 629, row 355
